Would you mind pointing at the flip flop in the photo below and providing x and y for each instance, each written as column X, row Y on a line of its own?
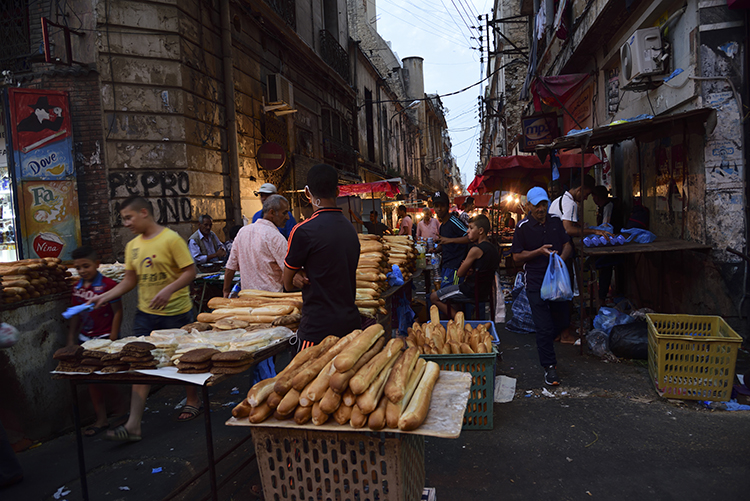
column 189, row 409
column 120, row 434
column 92, row 431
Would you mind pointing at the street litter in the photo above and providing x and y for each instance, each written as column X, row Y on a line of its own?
column 732, row 405
column 505, row 388
column 569, row 460
column 228, row 404
column 124, row 488
column 61, row 492
column 235, row 391
column 156, row 470
column 547, row 393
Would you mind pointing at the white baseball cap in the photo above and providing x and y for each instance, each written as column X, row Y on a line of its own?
column 267, row 188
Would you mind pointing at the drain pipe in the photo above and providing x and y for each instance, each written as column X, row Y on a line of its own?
column 231, row 112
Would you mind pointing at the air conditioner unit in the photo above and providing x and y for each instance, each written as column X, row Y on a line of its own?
column 641, row 55
column 280, row 91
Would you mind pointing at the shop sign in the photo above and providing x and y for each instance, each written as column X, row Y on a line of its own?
column 538, row 129
column 580, row 107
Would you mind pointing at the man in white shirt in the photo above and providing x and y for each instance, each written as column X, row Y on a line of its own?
column 204, row 245
column 566, row 208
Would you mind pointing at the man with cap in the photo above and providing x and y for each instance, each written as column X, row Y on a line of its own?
column 265, row 191
column 453, row 239
column 534, row 241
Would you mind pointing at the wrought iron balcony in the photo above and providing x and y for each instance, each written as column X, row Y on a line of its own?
column 334, row 54
column 287, row 9
column 340, row 154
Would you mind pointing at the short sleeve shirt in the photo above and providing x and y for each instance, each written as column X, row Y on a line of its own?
column 529, row 236
column 327, row 247
column 98, row 322
column 376, row 228
column 286, row 230
column 405, row 225
column 565, row 207
column 453, row 254
column 157, row 262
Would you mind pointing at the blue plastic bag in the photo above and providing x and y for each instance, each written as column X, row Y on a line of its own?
column 639, row 235
column 522, row 320
column 395, row 277
column 556, row 285
column 608, row 318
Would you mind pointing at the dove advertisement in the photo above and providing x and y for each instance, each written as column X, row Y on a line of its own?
column 41, row 152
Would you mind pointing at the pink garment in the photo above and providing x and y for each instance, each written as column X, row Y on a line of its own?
column 258, row 252
column 429, row 230
column 405, row 225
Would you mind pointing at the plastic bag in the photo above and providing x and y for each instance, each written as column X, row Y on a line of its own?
column 395, row 277
column 630, row 340
column 405, row 316
column 556, row 284
column 519, row 284
column 8, row 335
column 521, row 321
column 638, row 235
column 608, row 318
column 598, row 342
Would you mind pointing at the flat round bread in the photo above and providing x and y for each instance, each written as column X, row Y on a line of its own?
column 227, row 324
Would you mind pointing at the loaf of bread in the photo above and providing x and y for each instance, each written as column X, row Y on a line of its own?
column 339, row 381
column 343, row 414
column 242, row 409
column 376, row 421
column 303, row 414
column 370, row 371
column 289, row 402
column 393, row 411
column 358, row 418
column 307, row 356
column 358, row 347
column 419, row 405
column 310, row 372
column 318, row 416
column 368, row 400
column 395, row 387
column 330, row 401
column 260, row 413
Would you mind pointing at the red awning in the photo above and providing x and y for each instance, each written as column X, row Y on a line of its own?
column 389, row 188
column 479, row 200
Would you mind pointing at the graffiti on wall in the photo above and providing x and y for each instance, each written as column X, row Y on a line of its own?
column 166, row 190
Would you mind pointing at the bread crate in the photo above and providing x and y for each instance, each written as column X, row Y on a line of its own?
column 692, row 357
column 345, row 466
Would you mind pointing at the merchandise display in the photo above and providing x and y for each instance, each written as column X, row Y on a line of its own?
column 359, row 379
column 377, row 257
column 33, row 278
column 456, row 338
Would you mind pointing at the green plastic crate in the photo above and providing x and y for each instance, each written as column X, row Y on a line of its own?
column 692, row 357
column 478, row 415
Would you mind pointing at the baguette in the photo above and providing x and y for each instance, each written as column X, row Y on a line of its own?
column 260, row 413
column 465, row 348
column 302, row 415
column 258, row 293
column 289, row 402
column 318, row 416
column 314, row 369
column 210, row 318
column 376, row 421
column 339, row 381
column 419, row 405
column 282, row 417
column 395, row 387
column 370, row 371
column 260, row 391
column 368, row 400
column 242, row 410
column 318, row 386
column 434, row 315
column 358, row 347
column 303, row 400
column 349, row 398
column 330, row 401
column 393, row 411
column 358, row 419
column 343, row 414
column 308, row 356
column 274, row 399
column 460, row 321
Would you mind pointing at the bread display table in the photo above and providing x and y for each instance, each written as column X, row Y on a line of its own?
column 165, row 376
column 339, row 462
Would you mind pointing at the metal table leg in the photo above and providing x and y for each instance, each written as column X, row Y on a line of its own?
column 79, row 442
column 210, row 444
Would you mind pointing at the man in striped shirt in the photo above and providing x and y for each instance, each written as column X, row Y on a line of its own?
column 453, row 239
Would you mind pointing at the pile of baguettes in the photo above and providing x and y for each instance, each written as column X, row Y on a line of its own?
column 32, row 278
column 254, row 307
column 358, row 379
column 376, row 258
column 456, row 338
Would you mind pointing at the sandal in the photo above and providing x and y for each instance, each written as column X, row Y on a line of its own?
column 256, row 491
column 92, row 431
column 120, row 434
column 189, row 409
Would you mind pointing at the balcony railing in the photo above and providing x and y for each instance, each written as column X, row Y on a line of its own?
column 286, row 9
column 340, row 155
column 334, row 54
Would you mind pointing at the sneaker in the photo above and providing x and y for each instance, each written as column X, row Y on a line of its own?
column 550, row 376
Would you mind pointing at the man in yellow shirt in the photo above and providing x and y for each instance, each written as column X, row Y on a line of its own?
column 159, row 262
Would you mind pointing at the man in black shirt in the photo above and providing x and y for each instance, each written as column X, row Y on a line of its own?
column 322, row 260
column 374, row 227
column 453, row 239
column 534, row 241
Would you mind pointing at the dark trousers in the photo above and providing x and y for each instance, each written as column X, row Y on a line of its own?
column 550, row 318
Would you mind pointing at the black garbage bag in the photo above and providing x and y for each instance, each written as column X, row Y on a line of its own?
column 630, row 340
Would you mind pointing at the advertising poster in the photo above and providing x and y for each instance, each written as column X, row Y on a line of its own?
column 538, row 129
column 50, row 211
column 42, row 164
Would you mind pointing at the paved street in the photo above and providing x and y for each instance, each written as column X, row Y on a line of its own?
column 610, row 437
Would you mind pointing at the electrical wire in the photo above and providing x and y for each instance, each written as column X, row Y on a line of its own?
column 431, row 13
column 460, row 30
column 429, row 31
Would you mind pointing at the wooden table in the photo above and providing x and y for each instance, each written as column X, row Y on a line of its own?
column 140, row 378
column 661, row 244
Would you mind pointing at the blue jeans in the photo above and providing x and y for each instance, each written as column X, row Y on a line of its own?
column 144, row 323
column 550, row 318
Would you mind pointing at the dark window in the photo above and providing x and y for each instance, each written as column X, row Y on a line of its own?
column 331, row 17
column 14, row 34
column 369, row 119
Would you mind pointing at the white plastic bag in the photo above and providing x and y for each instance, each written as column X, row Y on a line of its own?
column 8, row 335
column 556, row 284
